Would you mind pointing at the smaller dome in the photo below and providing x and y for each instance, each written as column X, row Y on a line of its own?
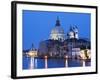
column 71, row 33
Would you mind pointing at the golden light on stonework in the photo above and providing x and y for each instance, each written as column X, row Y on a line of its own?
column 89, row 53
column 84, row 55
column 32, row 53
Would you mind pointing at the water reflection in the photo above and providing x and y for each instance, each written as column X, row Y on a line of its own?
column 40, row 63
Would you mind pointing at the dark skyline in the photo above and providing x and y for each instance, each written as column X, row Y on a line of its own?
column 37, row 25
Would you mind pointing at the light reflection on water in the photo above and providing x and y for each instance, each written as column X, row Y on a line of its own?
column 54, row 63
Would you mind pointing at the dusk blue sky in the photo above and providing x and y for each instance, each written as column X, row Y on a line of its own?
column 37, row 25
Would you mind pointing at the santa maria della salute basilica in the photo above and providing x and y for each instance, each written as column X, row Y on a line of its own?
column 57, row 33
column 61, row 49
column 61, row 43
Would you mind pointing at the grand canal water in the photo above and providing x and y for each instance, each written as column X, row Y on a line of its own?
column 54, row 63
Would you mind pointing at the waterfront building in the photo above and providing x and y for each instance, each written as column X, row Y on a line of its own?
column 74, row 46
column 32, row 52
column 50, row 48
column 75, row 52
column 85, row 54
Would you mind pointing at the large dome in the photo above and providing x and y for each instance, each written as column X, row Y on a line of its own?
column 57, row 33
column 57, row 30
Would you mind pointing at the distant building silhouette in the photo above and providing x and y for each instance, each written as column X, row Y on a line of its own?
column 30, row 52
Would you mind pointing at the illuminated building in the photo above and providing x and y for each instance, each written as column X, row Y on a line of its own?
column 57, row 33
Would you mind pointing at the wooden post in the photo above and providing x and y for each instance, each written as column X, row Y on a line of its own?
column 46, row 63
column 66, row 61
column 35, row 63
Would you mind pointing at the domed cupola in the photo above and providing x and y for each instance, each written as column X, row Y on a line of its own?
column 57, row 33
column 73, row 33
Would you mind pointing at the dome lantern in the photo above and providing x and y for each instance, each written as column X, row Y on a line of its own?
column 57, row 22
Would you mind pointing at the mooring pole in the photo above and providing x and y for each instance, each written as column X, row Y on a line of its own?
column 46, row 63
column 66, row 61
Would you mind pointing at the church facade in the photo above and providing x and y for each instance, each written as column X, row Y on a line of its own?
column 60, row 43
